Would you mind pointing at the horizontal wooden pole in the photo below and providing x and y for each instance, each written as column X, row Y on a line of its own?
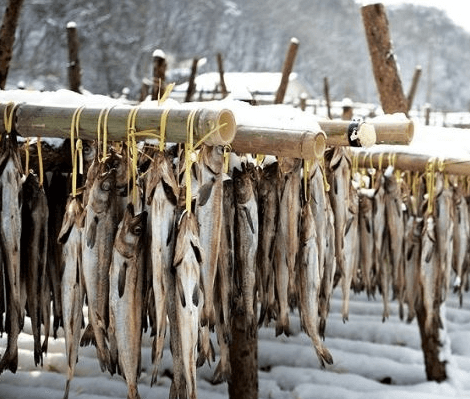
column 54, row 121
column 386, row 132
column 411, row 161
column 280, row 142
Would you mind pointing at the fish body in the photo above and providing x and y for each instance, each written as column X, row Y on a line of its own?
column 125, row 298
column 187, row 262
column 163, row 200
column 72, row 287
column 268, row 211
column 246, row 242
column 430, row 271
column 97, row 249
column 366, row 239
column 461, row 238
column 34, row 243
column 396, row 233
column 309, row 283
column 10, row 241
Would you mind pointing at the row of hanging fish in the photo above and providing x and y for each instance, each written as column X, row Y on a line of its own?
column 260, row 239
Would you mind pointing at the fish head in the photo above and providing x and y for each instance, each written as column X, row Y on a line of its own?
column 119, row 163
column 131, row 232
column 103, row 190
column 213, row 158
column 243, row 185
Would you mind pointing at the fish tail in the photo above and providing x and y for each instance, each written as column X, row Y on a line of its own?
column 322, row 327
column 324, row 355
column 88, row 336
column 67, row 388
column 282, row 328
column 222, row 373
column 262, row 313
column 132, row 392
column 9, row 361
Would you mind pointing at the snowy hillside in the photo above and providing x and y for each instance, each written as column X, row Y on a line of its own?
column 365, row 351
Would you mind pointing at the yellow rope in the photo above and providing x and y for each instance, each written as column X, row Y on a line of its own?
column 227, row 151
column 166, row 94
column 132, row 152
column 8, row 116
column 74, row 127
column 41, row 167
column 163, row 120
column 26, row 166
column 189, row 149
column 431, row 183
column 105, row 133
column 381, row 157
column 98, row 130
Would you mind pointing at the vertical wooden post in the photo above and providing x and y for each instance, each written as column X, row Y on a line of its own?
column 159, row 69
column 303, row 101
column 74, row 71
column 191, row 85
column 414, row 86
column 326, row 91
column 286, row 70
column 427, row 110
column 383, row 60
column 243, row 360
column 220, row 64
column 7, row 37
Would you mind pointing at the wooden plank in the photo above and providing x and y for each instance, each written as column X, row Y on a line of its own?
column 382, row 55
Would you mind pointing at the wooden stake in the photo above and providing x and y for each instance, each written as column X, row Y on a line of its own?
column 191, row 85
column 286, row 70
column 303, row 101
column 414, row 86
column 220, row 64
column 159, row 69
column 326, row 91
column 144, row 89
column 383, row 60
column 7, row 37
column 74, row 71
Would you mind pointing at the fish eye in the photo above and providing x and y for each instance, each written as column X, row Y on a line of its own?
column 138, row 230
column 106, row 185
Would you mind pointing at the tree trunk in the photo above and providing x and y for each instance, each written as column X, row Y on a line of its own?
column 74, row 62
column 286, row 70
column 243, row 361
column 191, row 85
column 326, row 91
column 220, row 64
column 7, row 37
column 159, row 70
column 383, row 60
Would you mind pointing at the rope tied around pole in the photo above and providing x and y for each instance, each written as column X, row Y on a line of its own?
column 74, row 129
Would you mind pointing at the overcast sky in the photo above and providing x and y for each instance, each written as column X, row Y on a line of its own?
column 458, row 10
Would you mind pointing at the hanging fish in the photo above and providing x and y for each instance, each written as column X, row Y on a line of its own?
column 188, row 259
column 246, row 242
column 396, row 233
column 163, row 197
column 461, row 238
column 366, row 239
column 10, row 240
column 125, row 298
column 99, row 232
column 209, row 217
column 72, row 287
column 268, row 211
column 34, row 243
column 309, row 283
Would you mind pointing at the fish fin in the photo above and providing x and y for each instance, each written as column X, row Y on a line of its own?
column 91, row 233
column 429, row 254
column 222, row 373
column 205, row 192
column 195, row 297
column 348, row 225
column 197, row 251
column 169, row 193
column 67, row 389
column 122, row 279
column 249, row 219
column 88, row 336
column 65, row 230
column 324, row 356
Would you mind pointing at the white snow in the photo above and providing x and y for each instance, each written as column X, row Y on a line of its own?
column 365, row 352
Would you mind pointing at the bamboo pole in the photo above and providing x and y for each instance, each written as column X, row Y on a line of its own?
column 326, row 91
column 384, row 65
column 159, row 69
column 282, row 142
column 386, row 132
column 54, row 121
column 414, row 86
column 286, row 70
column 191, row 85
column 220, row 65
column 7, row 37
column 413, row 162
column 73, row 67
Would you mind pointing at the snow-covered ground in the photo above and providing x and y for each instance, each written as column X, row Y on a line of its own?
column 367, row 353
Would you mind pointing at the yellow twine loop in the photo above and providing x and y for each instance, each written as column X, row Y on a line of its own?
column 132, row 152
column 259, row 159
column 381, row 157
column 105, row 132
column 431, row 183
column 166, row 94
column 163, row 120
column 8, row 116
column 227, row 151
column 74, row 128
column 189, row 149
column 79, row 146
column 41, row 167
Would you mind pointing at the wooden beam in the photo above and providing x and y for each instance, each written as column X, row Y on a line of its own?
column 286, row 70
column 74, row 71
column 7, row 37
column 382, row 55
